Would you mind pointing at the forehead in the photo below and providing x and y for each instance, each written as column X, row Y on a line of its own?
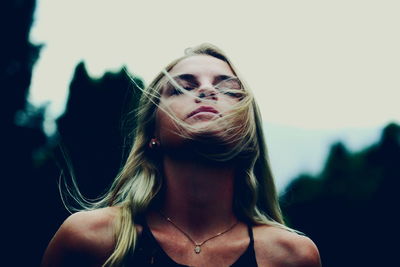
column 201, row 65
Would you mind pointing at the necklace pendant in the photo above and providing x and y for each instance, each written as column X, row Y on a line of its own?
column 197, row 249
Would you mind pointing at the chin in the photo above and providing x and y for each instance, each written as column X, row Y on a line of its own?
column 204, row 137
column 211, row 129
column 205, row 126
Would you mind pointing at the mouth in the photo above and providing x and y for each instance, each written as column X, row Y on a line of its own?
column 203, row 109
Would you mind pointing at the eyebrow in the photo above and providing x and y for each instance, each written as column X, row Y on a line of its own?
column 193, row 79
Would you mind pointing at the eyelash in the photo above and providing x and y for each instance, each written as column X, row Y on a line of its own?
column 232, row 94
column 179, row 92
column 175, row 91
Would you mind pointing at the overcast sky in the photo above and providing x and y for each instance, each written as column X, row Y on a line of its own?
column 318, row 64
column 312, row 64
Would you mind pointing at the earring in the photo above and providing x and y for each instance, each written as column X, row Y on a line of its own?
column 154, row 143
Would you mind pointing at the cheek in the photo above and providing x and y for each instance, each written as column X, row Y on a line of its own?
column 228, row 104
column 166, row 130
column 176, row 105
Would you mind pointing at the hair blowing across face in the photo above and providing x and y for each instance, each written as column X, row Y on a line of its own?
column 140, row 181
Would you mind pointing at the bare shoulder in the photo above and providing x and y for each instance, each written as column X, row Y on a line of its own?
column 86, row 234
column 95, row 227
column 281, row 247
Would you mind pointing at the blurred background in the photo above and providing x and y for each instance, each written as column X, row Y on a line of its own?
column 325, row 76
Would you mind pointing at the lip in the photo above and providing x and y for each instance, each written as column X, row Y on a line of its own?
column 203, row 109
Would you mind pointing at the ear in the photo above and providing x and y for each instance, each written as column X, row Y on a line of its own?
column 154, row 143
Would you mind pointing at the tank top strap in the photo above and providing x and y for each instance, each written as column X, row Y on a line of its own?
column 152, row 253
column 248, row 258
column 250, row 230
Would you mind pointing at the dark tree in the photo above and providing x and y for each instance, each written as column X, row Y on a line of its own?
column 19, row 142
column 31, row 163
column 349, row 210
column 93, row 130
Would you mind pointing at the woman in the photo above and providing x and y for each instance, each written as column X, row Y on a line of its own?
column 196, row 190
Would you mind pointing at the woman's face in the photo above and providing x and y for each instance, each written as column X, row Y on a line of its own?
column 204, row 77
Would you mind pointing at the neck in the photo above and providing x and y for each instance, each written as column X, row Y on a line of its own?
column 199, row 194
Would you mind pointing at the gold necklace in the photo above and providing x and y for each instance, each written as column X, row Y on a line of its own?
column 197, row 246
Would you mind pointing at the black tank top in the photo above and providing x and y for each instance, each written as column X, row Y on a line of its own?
column 148, row 252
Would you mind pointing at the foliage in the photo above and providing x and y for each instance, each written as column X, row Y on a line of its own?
column 349, row 208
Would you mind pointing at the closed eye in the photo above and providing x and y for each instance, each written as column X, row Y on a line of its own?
column 231, row 86
column 189, row 87
column 175, row 91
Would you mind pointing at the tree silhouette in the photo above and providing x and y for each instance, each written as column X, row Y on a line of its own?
column 31, row 163
column 93, row 130
column 18, row 142
column 91, row 138
column 349, row 210
column 17, row 56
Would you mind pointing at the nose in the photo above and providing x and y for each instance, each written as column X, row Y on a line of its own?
column 208, row 92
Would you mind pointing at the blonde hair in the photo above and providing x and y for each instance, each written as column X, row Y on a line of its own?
column 139, row 182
